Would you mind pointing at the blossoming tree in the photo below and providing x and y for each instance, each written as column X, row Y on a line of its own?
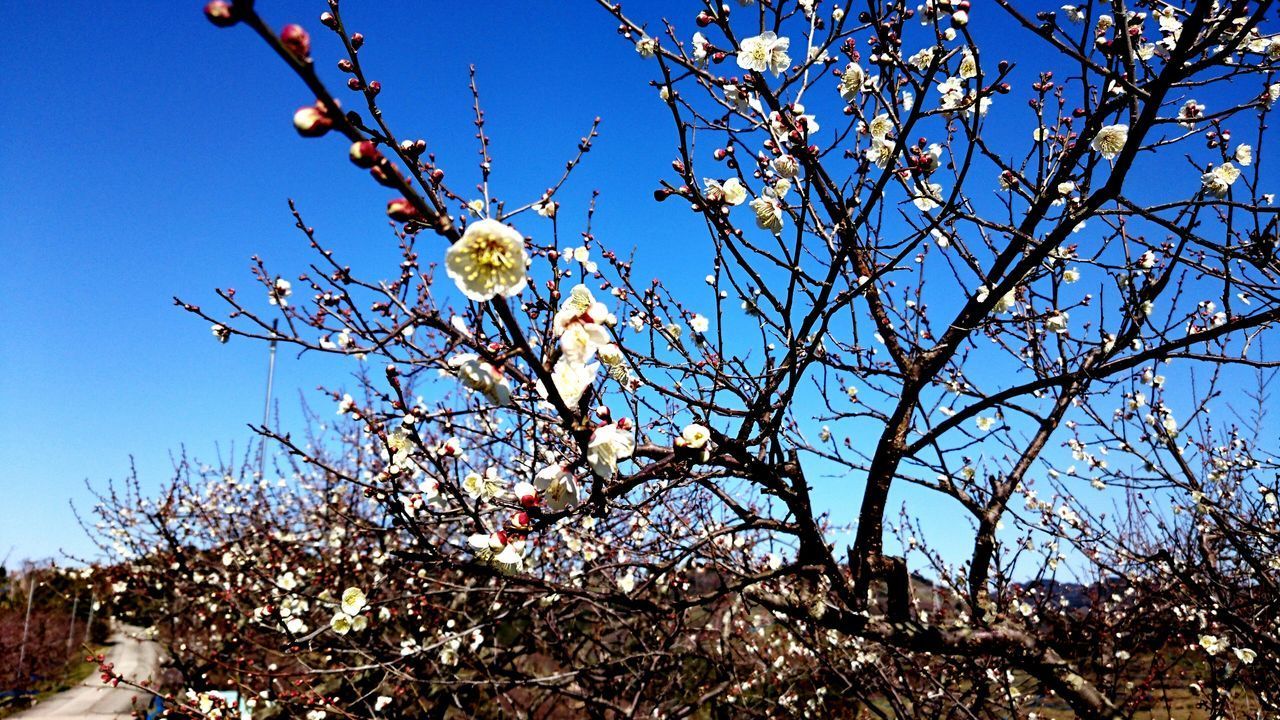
column 609, row 510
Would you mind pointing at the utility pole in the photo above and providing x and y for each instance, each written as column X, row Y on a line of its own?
column 266, row 409
column 26, row 624
column 71, row 631
column 88, row 628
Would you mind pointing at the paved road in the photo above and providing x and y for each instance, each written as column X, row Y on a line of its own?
column 134, row 656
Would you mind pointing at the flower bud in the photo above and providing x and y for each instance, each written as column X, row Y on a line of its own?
column 328, row 20
column 364, row 154
column 311, row 121
column 386, row 173
column 296, row 40
column 220, row 13
column 401, row 210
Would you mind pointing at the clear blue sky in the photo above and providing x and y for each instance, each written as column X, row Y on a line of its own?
column 145, row 154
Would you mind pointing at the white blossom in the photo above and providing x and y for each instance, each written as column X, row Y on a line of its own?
column 765, row 52
column 609, row 444
column 557, row 486
column 488, row 260
column 851, row 81
column 1217, row 182
column 695, row 436
column 478, row 375
column 768, row 213
column 1110, row 140
column 571, row 379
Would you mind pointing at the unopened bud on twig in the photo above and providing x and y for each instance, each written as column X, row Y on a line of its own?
column 364, row 154
column 220, row 13
column 387, row 174
column 401, row 210
column 296, row 40
column 311, row 121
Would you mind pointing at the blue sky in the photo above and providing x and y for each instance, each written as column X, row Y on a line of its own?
column 146, row 154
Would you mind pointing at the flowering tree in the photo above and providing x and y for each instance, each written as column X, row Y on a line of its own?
column 919, row 281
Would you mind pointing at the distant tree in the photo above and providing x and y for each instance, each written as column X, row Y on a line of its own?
column 1042, row 294
column 43, row 629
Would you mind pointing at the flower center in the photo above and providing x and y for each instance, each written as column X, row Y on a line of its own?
column 491, row 254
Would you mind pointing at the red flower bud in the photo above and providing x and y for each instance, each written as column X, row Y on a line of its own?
column 364, row 154
column 220, row 13
column 311, row 121
column 401, row 210
column 296, row 40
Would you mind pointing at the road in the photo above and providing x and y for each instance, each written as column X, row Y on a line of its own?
column 134, row 657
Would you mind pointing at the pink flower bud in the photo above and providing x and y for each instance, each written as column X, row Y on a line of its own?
column 296, row 40
column 364, row 154
column 401, row 210
column 220, row 13
column 311, row 121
